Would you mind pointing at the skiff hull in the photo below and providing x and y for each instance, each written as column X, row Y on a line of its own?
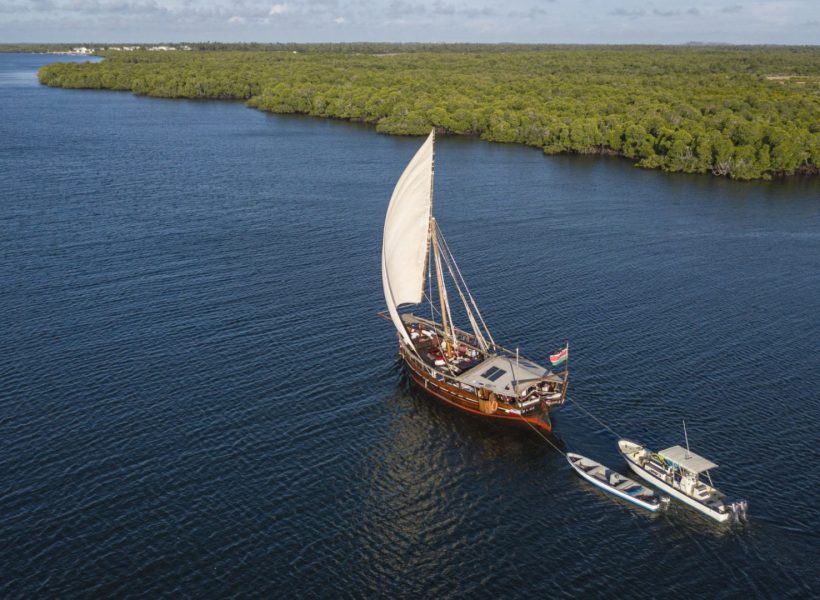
column 653, row 505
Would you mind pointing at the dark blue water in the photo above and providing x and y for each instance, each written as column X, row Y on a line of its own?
column 197, row 398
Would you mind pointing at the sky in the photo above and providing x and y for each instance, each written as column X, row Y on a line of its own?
column 522, row 21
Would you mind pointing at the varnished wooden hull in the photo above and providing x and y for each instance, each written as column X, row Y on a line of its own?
column 469, row 403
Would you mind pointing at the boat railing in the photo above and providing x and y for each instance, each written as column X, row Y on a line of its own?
column 438, row 375
column 464, row 336
column 529, row 403
column 524, row 407
column 471, row 340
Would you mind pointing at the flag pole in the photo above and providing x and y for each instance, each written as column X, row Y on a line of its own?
column 566, row 365
column 566, row 375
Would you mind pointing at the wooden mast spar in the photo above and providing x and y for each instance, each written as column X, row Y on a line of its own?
column 442, row 292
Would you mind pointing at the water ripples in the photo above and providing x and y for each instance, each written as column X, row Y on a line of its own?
column 198, row 397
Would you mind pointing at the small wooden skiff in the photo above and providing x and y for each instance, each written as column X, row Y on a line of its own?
column 615, row 483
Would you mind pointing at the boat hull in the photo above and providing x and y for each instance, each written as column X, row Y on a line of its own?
column 469, row 403
column 675, row 493
column 609, row 489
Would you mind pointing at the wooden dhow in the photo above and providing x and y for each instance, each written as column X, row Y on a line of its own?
column 465, row 369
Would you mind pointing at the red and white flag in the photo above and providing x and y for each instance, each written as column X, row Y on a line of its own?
column 560, row 356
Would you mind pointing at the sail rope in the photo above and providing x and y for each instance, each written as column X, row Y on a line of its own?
column 589, row 414
column 545, row 438
column 582, row 409
column 599, row 421
column 445, row 299
column 449, row 258
column 433, row 310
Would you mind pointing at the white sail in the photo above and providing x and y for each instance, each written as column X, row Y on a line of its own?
column 407, row 233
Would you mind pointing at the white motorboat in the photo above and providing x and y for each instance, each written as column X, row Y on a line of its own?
column 677, row 471
column 615, row 483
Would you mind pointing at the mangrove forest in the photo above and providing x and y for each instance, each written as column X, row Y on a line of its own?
column 739, row 112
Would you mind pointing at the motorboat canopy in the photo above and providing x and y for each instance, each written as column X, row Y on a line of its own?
column 688, row 460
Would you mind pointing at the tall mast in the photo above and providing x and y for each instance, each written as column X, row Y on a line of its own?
column 442, row 292
column 432, row 168
column 431, row 220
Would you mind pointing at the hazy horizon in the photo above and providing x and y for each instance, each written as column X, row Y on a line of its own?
column 761, row 22
column 715, row 44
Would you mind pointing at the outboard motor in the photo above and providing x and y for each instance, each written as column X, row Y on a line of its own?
column 745, row 507
column 739, row 510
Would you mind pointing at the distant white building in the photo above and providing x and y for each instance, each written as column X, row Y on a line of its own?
column 85, row 50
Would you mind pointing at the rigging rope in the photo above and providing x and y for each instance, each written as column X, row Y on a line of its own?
column 466, row 287
column 433, row 310
column 450, row 261
column 589, row 414
column 577, row 404
column 445, row 302
column 545, row 438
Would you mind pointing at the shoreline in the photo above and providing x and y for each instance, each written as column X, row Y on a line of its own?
column 653, row 129
column 801, row 172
